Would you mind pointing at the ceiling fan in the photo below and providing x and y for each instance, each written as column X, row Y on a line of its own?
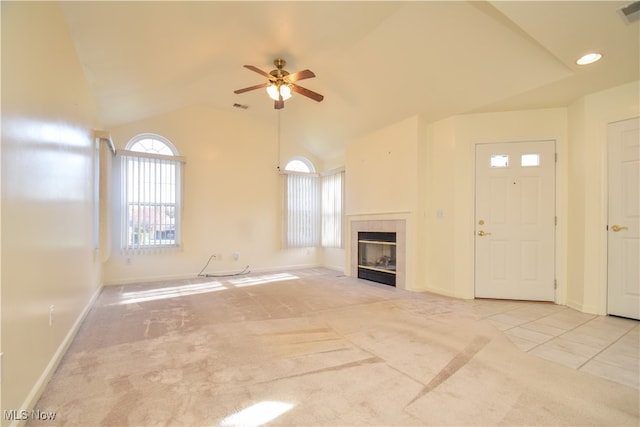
column 281, row 83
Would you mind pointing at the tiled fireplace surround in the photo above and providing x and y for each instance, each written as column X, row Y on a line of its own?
column 397, row 226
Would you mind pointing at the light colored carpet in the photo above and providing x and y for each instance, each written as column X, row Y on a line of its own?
column 310, row 347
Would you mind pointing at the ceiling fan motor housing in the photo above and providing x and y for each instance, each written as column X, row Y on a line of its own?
column 279, row 73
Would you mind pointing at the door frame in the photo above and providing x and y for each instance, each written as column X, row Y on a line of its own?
column 604, row 291
column 560, row 205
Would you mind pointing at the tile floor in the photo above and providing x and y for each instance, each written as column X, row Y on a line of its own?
column 605, row 346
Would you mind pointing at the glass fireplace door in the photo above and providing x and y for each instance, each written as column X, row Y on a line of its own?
column 377, row 257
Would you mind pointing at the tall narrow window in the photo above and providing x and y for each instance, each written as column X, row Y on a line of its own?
column 302, row 203
column 332, row 209
column 151, row 193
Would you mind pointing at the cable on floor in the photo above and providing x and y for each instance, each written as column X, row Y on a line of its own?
column 245, row 271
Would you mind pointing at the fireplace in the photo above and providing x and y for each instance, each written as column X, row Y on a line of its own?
column 377, row 257
column 373, row 223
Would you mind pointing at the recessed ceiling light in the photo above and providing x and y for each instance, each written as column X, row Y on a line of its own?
column 589, row 58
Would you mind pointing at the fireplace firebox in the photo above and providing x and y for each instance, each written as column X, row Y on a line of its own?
column 377, row 257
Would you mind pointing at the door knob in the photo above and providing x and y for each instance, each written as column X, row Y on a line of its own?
column 616, row 228
column 483, row 233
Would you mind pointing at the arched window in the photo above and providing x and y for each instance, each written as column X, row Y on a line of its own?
column 154, row 144
column 300, row 164
column 314, row 204
column 151, row 193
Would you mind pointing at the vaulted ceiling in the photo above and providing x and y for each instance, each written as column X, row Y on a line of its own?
column 376, row 62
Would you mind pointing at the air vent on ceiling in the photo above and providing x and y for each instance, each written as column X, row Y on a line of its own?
column 244, row 107
column 631, row 12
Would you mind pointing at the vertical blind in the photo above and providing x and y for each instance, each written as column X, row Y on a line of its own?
column 302, row 207
column 313, row 210
column 151, row 185
column 332, row 210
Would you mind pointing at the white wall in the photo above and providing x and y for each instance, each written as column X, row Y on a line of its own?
column 424, row 174
column 436, row 194
column 438, row 270
column 382, row 170
column 47, row 197
column 382, row 183
column 450, row 193
column 587, row 260
column 232, row 199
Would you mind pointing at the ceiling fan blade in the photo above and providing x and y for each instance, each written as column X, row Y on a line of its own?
column 247, row 89
column 259, row 71
column 308, row 93
column 300, row 75
column 278, row 105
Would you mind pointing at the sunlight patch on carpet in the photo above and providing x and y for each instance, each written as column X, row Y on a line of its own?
column 258, row 414
column 170, row 292
column 261, row 280
column 161, row 293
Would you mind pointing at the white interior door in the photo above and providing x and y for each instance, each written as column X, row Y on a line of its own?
column 623, row 240
column 515, row 221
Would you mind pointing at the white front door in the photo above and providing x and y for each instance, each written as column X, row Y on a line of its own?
column 515, row 221
column 623, row 230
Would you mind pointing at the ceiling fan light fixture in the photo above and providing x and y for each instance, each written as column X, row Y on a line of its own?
column 272, row 90
column 589, row 58
column 285, row 91
column 276, row 90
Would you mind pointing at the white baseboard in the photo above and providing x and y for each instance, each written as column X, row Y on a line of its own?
column 583, row 308
column 336, row 268
column 440, row 291
column 149, row 279
column 575, row 305
column 222, row 273
column 43, row 380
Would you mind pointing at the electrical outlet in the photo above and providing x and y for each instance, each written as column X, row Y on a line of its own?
column 128, row 261
column 236, row 256
column 51, row 308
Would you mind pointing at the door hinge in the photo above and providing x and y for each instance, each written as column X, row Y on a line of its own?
column 556, row 157
column 555, row 220
column 555, row 283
